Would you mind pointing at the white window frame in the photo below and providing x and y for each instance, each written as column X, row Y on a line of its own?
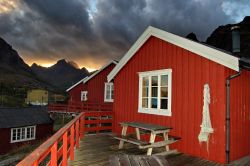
column 84, row 95
column 25, row 134
column 156, row 111
column 111, row 84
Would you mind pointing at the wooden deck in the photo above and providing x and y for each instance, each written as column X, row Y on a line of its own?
column 95, row 150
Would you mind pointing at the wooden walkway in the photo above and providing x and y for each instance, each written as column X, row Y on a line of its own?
column 95, row 151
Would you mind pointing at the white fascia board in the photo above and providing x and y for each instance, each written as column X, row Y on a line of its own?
column 212, row 54
column 98, row 71
column 81, row 81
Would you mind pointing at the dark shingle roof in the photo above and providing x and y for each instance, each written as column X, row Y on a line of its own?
column 18, row 117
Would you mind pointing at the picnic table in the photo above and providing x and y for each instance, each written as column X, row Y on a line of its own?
column 153, row 130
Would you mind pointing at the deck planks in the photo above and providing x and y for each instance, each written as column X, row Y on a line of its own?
column 95, row 150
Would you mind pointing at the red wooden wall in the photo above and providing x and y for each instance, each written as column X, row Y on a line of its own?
column 42, row 131
column 189, row 74
column 75, row 93
column 96, row 85
column 240, row 115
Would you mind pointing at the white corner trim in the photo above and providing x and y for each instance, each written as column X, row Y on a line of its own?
column 81, row 81
column 98, row 71
column 210, row 53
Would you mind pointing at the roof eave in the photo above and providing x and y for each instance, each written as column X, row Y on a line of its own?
column 217, row 56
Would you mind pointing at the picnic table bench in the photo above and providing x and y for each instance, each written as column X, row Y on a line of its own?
column 152, row 129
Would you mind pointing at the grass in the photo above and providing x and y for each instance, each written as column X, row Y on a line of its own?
column 21, row 151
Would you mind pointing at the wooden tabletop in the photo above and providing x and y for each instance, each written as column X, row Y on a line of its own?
column 146, row 126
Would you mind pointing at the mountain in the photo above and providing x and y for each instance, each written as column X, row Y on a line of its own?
column 63, row 74
column 14, row 72
column 192, row 36
column 221, row 37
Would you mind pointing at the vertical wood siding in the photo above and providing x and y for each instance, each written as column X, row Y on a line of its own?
column 96, row 85
column 42, row 132
column 189, row 74
column 240, row 115
column 75, row 93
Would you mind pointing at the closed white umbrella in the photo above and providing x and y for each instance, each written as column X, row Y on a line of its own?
column 206, row 127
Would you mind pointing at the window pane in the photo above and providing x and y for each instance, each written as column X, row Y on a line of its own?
column 145, row 92
column 164, row 80
column 164, row 91
column 23, row 133
column 32, row 132
column 154, row 103
column 28, row 132
column 154, row 81
column 108, row 87
column 154, row 91
column 107, row 95
column 112, row 92
column 145, row 81
column 145, row 103
column 164, row 103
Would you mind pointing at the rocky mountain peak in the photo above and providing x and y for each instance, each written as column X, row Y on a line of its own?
column 221, row 37
column 192, row 36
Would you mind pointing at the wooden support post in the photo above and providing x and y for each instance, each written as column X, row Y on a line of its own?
column 53, row 160
column 35, row 163
column 65, row 149
column 138, row 136
column 82, row 126
column 165, row 136
column 77, row 134
column 124, row 133
column 152, row 140
column 72, row 142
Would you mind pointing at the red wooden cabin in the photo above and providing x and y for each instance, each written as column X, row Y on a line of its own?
column 93, row 89
column 22, row 126
column 179, row 68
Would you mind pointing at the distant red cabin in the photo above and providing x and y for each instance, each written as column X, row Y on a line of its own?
column 21, row 126
column 95, row 88
column 161, row 80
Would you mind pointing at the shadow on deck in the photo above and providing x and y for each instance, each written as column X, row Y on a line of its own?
column 95, row 150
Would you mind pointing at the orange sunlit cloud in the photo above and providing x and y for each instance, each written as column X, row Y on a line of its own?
column 89, row 64
column 8, row 5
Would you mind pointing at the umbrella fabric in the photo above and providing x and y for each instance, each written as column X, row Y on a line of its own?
column 206, row 127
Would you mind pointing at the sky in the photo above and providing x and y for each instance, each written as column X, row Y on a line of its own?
column 93, row 32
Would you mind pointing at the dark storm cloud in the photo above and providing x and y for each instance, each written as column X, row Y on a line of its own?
column 72, row 29
column 64, row 15
column 127, row 20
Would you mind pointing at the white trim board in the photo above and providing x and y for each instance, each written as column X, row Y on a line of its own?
column 98, row 71
column 81, row 81
column 212, row 54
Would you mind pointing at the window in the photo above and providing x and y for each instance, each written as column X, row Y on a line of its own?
column 109, row 92
column 23, row 134
column 84, row 95
column 155, row 92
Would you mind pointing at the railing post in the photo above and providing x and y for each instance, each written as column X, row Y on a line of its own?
column 72, row 142
column 54, row 154
column 82, row 126
column 35, row 163
column 65, row 149
column 77, row 133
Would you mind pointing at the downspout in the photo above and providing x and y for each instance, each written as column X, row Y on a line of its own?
column 228, row 115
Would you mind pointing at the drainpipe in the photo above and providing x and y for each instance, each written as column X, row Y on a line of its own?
column 228, row 115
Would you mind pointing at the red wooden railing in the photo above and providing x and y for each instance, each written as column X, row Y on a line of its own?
column 77, row 107
column 59, row 147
